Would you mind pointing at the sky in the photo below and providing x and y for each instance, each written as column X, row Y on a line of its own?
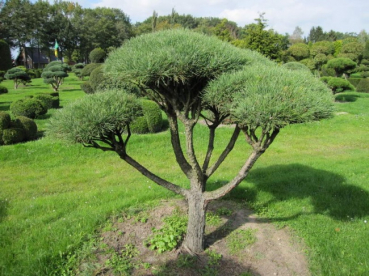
column 282, row 15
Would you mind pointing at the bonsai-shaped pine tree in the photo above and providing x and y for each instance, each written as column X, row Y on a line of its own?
column 341, row 66
column 192, row 77
column 17, row 75
column 54, row 74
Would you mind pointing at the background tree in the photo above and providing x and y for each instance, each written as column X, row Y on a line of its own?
column 296, row 36
column 17, row 75
column 341, row 66
column 173, row 68
column 353, row 51
column 267, row 42
column 316, row 34
column 97, row 55
column 5, row 56
column 299, row 51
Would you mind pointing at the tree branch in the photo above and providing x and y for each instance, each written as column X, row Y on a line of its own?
column 176, row 144
column 158, row 180
column 235, row 181
column 225, row 153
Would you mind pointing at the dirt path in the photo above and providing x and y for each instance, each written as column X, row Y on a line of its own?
column 274, row 252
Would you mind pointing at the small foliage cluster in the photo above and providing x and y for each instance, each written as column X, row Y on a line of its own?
column 121, row 263
column 18, row 76
column 170, row 235
column 54, row 74
column 28, row 107
column 363, row 86
column 3, row 90
column 18, row 130
column 151, row 121
column 337, row 85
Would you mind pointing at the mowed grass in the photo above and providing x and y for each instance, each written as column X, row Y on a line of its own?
column 313, row 180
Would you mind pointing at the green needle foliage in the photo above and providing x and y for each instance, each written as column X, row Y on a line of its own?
column 17, row 75
column 95, row 117
column 54, row 74
column 270, row 97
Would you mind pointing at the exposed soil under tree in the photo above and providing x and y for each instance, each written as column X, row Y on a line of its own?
column 275, row 251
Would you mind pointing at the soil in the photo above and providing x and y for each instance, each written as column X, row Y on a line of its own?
column 275, row 251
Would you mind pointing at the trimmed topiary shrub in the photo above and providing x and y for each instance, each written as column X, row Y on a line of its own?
column 54, row 74
column 363, row 86
column 153, row 116
column 337, row 85
column 139, row 125
column 3, row 89
column 4, row 120
column 18, row 75
column 97, row 55
column 13, row 136
column 46, row 99
column 87, row 88
column 151, row 120
column 28, row 107
column 28, row 125
column 296, row 66
column 86, row 71
column 5, row 56
column 354, row 81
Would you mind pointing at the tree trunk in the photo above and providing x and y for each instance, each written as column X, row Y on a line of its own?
column 194, row 240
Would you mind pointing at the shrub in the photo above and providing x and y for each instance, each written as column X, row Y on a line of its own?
column 151, row 121
column 364, row 74
column 54, row 74
column 4, row 120
column 139, row 125
column 5, row 56
column 354, row 81
column 12, row 136
column 86, row 71
column 296, row 66
column 28, row 125
column 99, row 81
column 18, row 75
column 97, row 55
column 34, row 73
column 28, row 107
column 87, row 88
column 3, row 89
column 363, row 86
column 153, row 116
column 337, row 84
column 46, row 99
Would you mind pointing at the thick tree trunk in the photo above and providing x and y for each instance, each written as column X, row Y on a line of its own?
column 194, row 241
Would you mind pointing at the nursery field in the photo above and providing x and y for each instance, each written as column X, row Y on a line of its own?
column 313, row 179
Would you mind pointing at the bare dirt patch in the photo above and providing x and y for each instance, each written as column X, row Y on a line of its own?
column 275, row 251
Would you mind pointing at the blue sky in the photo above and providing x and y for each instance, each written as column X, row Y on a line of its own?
column 282, row 15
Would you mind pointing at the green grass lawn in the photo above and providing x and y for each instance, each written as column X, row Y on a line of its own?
column 313, row 179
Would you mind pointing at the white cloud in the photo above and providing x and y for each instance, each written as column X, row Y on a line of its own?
column 282, row 15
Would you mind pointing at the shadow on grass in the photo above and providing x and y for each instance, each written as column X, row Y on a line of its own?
column 343, row 98
column 5, row 106
column 201, row 265
column 3, row 209
column 329, row 193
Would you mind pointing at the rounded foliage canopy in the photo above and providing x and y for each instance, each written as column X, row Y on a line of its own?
column 172, row 61
column 95, row 116
column 269, row 97
column 16, row 74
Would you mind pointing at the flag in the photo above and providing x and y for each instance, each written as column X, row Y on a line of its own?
column 56, row 48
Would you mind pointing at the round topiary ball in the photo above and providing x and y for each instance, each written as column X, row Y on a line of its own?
column 28, row 107
column 4, row 120
column 13, row 136
column 46, row 99
column 151, row 121
column 3, row 89
column 28, row 125
column 363, row 86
